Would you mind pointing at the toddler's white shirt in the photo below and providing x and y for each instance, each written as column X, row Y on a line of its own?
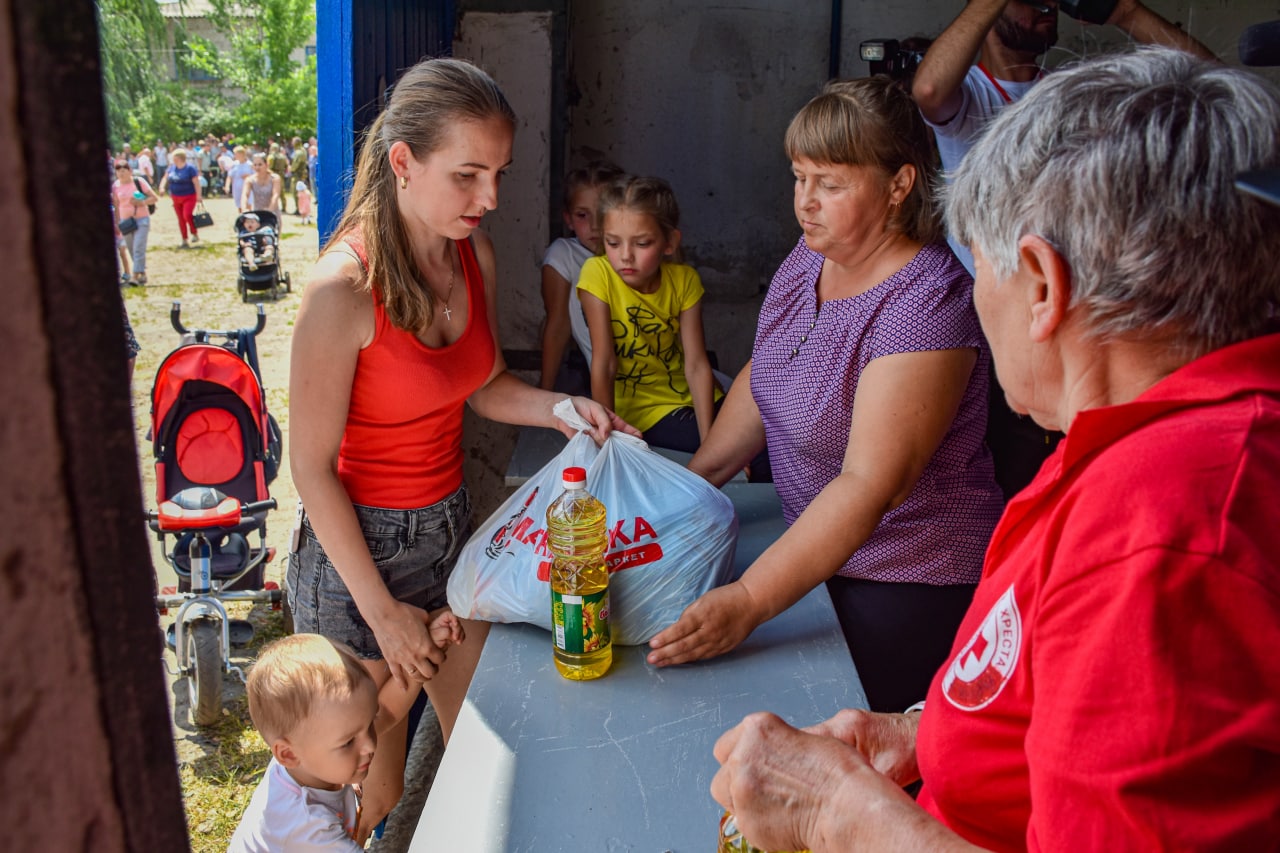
column 285, row 817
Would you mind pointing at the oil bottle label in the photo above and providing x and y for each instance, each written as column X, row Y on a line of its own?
column 580, row 622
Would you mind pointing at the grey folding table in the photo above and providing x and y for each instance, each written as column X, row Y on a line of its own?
column 624, row 763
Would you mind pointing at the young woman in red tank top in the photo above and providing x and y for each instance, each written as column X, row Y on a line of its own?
column 396, row 333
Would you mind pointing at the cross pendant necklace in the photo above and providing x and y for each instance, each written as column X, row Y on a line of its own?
column 448, row 312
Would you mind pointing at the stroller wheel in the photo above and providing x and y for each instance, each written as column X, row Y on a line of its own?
column 288, row 283
column 204, row 680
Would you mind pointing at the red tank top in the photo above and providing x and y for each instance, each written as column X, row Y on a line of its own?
column 402, row 447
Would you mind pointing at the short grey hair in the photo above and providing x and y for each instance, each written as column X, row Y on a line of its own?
column 1127, row 166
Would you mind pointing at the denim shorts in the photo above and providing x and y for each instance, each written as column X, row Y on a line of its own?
column 414, row 551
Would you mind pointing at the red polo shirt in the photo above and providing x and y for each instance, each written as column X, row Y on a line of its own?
column 1116, row 682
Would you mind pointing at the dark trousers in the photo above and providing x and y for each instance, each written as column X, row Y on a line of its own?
column 899, row 634
column 1018, row 444
column 678, row 430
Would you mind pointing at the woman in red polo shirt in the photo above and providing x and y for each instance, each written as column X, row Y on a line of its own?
column 1114, row 685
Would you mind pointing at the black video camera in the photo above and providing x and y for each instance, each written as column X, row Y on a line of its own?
column 1260, row 47
column 888, row 56
column 1089, row 11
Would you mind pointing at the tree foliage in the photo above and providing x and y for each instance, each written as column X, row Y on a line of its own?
column 262, row 34
column 173, row 112
column 283, row 106
column 276, row 96
column 132, row 34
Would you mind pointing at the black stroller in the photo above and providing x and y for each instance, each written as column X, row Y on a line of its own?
column 258, row 256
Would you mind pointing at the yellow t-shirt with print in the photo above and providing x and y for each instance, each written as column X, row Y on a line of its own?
column 650, row 382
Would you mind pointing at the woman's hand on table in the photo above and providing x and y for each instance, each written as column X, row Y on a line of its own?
column 711, row 626
column 406, row 644
column 888, row 741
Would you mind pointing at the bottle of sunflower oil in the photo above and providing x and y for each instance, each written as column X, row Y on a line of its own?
column 578, row 539
column 731, row 840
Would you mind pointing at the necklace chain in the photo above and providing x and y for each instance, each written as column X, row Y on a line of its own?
column 448, row 312
column 805, row 337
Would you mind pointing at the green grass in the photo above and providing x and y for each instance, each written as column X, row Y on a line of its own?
column 203, row 246
column 191, row 288
column 277, row 400
column 217, row 787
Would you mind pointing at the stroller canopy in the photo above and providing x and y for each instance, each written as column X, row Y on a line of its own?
column 195, row 425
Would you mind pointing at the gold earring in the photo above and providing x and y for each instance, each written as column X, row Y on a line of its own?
column 404, row 182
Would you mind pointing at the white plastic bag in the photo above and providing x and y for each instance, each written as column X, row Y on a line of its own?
column 671, row 539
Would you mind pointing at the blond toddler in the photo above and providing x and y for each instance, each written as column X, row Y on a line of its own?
column 315, row 706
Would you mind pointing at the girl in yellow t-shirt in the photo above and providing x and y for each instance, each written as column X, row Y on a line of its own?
column 644, row 310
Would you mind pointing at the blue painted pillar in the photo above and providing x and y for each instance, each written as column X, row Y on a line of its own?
column 362, row 46
column 335, row 136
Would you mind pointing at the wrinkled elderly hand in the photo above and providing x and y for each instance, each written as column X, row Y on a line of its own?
column 714, row 624
column 888, row 741
column 773, row 778
column 789, row 790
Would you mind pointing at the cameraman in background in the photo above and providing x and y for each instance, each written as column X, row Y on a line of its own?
column 958, row 99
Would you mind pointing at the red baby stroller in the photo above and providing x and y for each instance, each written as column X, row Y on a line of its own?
column 216, row 451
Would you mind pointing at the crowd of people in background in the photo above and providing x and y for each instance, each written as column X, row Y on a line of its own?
column 191, row 170
column 292, row 158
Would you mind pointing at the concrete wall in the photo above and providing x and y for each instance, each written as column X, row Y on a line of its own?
column 515, row 48
column 701, row 94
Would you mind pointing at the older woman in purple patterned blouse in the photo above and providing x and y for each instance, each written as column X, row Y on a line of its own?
column 868, row 379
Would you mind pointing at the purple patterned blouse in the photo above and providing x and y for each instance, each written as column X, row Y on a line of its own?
column 804, row 375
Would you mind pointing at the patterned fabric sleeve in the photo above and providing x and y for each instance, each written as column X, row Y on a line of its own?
column 933, row 311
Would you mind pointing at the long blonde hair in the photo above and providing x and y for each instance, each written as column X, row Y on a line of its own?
column 424, row 103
